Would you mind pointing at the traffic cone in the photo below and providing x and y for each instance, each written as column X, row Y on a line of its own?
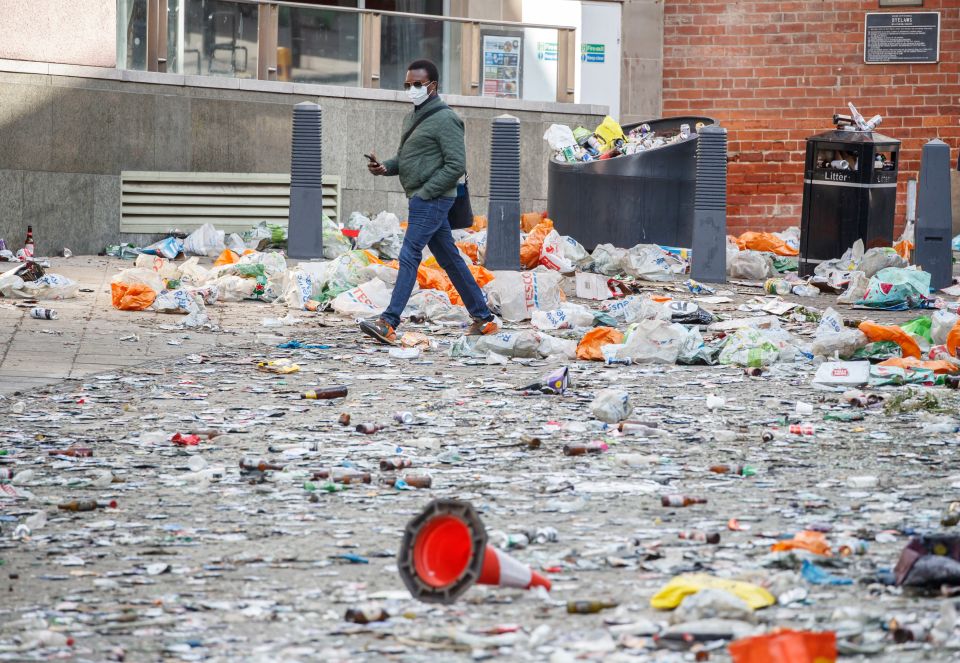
column 445, row 551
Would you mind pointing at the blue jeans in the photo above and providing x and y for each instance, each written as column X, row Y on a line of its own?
column 428, row 226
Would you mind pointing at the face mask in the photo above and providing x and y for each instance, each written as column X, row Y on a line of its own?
column 418, row 94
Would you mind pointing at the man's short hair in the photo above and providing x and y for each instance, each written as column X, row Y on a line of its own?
column 428, row 67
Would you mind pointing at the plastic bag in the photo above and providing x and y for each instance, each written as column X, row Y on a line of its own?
column 941, row 323
column 147, row 277
column 649, row 341
column 572, row 249
column 878, row 258
column 590, row 345
column 647, row 261
column 365, row 300
column 434, row 306
column 832, row 338
column 50, row 286
column 204, row 241
column 751, row 265
column 786, row 646
column 608, row 131
column 635, row 308
column 750, row 347
column 559, row 136
column 895, row 286
column 298, row 288
column 568, row 316
column 939, row 367
column 226, row 257
column 430, row 276
column 875, row 332
column 169, row 248
column 608, row 259
column 857, row 288
column 769, row 242
column 190, row 271
column 531, row 246
column 611, row 405
column 131, row 296
column 383, row 234
column 672, row 594
column 524, row 344
column 551, row 346
column 181, row 301
column 233, row 288
column 517, row 294
column 334, row 243
column 552, row 254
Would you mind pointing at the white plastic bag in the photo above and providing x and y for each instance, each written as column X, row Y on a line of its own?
column 611, row 405
column 334, row 243
column 518, row 294
column 568, row 316
column 434, row 306
column 647, row 261
column 859, row 282
column 559, row 136
column 50, row 286
column 204, row 241
column 608, row 259
column 649, row 341
column 878, row 258
column 552, row 254
column 832, row 338
column 383, row 234
column 572, row 249
column 751, row 265
column 233, row 288
column 551, row 346
column 366, row 300
column 523, row 344
column 940, row 325
column 148, row 277
column 190, row 271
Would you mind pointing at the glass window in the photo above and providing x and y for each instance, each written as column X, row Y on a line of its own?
column 220, row 38
column 132, row 34
column 318, row 46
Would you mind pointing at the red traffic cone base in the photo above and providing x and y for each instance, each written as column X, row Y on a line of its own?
column 445, row 551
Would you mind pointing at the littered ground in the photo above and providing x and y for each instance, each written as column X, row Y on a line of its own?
column 190, row 569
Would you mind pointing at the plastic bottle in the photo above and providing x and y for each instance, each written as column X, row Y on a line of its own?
column 324, row 394
column 6, row 473
column 403, row 417
column 801, row 429
column 703, row 537
column 387, row 464
column 411, row 480
column 86, row 505
column 739, row 470
column 589, row 607
column 73, row 452
column 805, row 290
column 343, row 476
column 594, row 447
column 681, row 500
column 258, row 465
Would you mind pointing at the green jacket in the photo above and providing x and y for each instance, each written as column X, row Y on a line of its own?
column 434, row 158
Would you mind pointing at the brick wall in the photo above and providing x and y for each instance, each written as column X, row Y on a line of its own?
column 774, row 73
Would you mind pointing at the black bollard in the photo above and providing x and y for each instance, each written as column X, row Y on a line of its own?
column 503, row 215
column 934, row 215
column 305, row 228
column 709, row 246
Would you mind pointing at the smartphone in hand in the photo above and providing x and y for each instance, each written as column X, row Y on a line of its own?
column 372, row 159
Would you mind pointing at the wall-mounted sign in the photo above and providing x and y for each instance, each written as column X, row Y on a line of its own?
column 547, row 51
column 902, row 38
column 501, row 66
column 592, row 52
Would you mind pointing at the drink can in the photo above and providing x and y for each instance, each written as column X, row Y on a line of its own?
column 43, row 313
column 776, row 286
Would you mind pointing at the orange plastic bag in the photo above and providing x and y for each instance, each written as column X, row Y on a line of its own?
column 815, row 542
column 430, row 276
column 786, row 646
column 953, row 340
column 755, row 241
column 596, row 338
column 529, row 220
column 937, row 366
column 131, row 296
column 472, row 250
column 226, row 257
column 875, row 332
column 532, row 245
column 479, row 223
column 903, row 248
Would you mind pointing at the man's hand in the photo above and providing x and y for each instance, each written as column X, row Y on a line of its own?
column 375, row 167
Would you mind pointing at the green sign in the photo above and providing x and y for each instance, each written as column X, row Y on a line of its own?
column 547, row 51
column 592, row 52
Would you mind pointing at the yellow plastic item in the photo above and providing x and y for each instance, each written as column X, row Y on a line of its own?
column 281, row 366
column 609, row 131
column 673, row 593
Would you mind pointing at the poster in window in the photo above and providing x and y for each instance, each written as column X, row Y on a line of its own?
column 501, row 66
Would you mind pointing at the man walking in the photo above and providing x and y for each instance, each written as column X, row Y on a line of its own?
column 430, row 161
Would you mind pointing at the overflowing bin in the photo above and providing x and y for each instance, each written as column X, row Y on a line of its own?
column 849, row 193
column 641, row 198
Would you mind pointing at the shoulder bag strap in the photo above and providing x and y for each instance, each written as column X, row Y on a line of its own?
column 416, row 124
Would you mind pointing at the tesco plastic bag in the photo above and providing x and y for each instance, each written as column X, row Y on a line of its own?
column 751, row 265
column 523, row 344
column 181, row 301
column 552, row 254
column 518, row 294
column 365, row 300
column 204, row 241
column 647, row 261
column 634, row 308
column 568, row 316
column 298, row 289
column 233, row 288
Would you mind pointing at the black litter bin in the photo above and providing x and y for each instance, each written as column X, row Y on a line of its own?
column 849, row 193
column 642, row 198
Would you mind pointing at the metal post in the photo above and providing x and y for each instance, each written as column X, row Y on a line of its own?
column 934, row 215
column 503, row 214
column 709, row 259
column 305, row 229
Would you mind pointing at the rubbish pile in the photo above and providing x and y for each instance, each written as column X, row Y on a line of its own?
column 608, row 140
column 638, row 467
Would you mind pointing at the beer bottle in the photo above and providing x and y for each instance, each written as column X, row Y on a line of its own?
column 324, row 394
column 73, row 452
column 28, row 247
column 387, row 464
column 703, row 537
column 589, row 607
column 594, row 447
column 86, row 505
column 681, row 500
column 366, row 615
column 258, row 464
